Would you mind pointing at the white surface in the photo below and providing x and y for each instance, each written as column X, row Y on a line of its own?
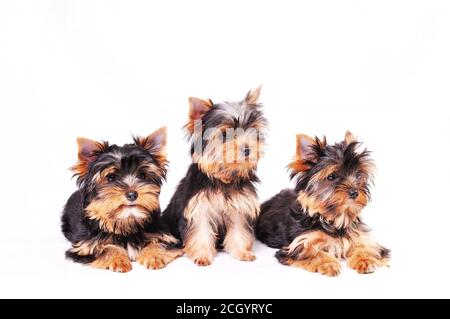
column 104, row 70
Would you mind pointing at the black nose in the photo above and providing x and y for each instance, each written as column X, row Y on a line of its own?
column 353, row 194
column 131, row 196
column 246, row 151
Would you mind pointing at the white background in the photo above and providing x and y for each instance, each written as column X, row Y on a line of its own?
column 107, row 69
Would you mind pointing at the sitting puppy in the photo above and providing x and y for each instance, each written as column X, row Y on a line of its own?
column 215, row 206
column 114, row 216
column 318, row 223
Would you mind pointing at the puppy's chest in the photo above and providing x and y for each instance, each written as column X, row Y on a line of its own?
column 215, row 205
column 340, row 246
column 132, row 244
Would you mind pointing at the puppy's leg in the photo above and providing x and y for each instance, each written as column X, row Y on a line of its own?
column 322, row 263
column 100, row 254
column 365, row 255
column 157, row 254
column 201, row 232
column 311, row 251
column 114, row 258
column 239, row 238
column 241, row 210
column 200, row 242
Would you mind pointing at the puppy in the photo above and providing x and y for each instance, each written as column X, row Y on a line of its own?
column 215, row 205
column 114, row 216
column 318, row 223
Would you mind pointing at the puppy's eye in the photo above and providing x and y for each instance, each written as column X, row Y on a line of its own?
column 111, row 178
column 331, row 177
column 142, row 176
column 358, row 176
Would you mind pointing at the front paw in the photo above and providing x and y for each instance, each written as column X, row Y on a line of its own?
column 330, row 269
column 151, row 262
column 119, row 264
column 156, row 257
column 365, row 265
column 203, row 261
column 244, row 255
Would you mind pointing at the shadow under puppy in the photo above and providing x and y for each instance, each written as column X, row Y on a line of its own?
column 215, row 205
column 114, row 216
column 318, row 223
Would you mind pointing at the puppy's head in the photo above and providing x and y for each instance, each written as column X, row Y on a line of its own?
column 122, row 183
column 332, row 180
column 227, row 138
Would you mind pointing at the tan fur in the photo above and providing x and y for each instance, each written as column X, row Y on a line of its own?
column 86, row 154
column 224, row 161
column 310, row 203
column 323, row 263
column 113, row 169
column 345, row 213
column 161, row 237
column 349, row 137
column 113, row 258
column 239, row 238
column 206, row 212
column 197, row 108
column 132, row 252
column 297, row 165
column 364, row 255
column 98, row 211
column 112, row 205
column 225, row 172
column 155, row 256
column 315, row 241
column 253, row 96
column 324, row 173
column 157, row 149
column 90, row 247
column 319, row 252
column 203, row 220
column 301, row 154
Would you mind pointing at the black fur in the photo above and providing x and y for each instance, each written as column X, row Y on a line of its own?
column 80, row 259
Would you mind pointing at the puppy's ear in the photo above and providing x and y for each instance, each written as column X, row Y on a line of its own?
column 88, row 152
column 304, row 154
column 252, row 96
column 155, row 144
column 305, row 146
column 349, row 138
column 197, row 109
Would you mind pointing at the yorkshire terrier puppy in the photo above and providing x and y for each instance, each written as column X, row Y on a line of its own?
column 215, row 206
column 114, row 216
column 318, row 223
